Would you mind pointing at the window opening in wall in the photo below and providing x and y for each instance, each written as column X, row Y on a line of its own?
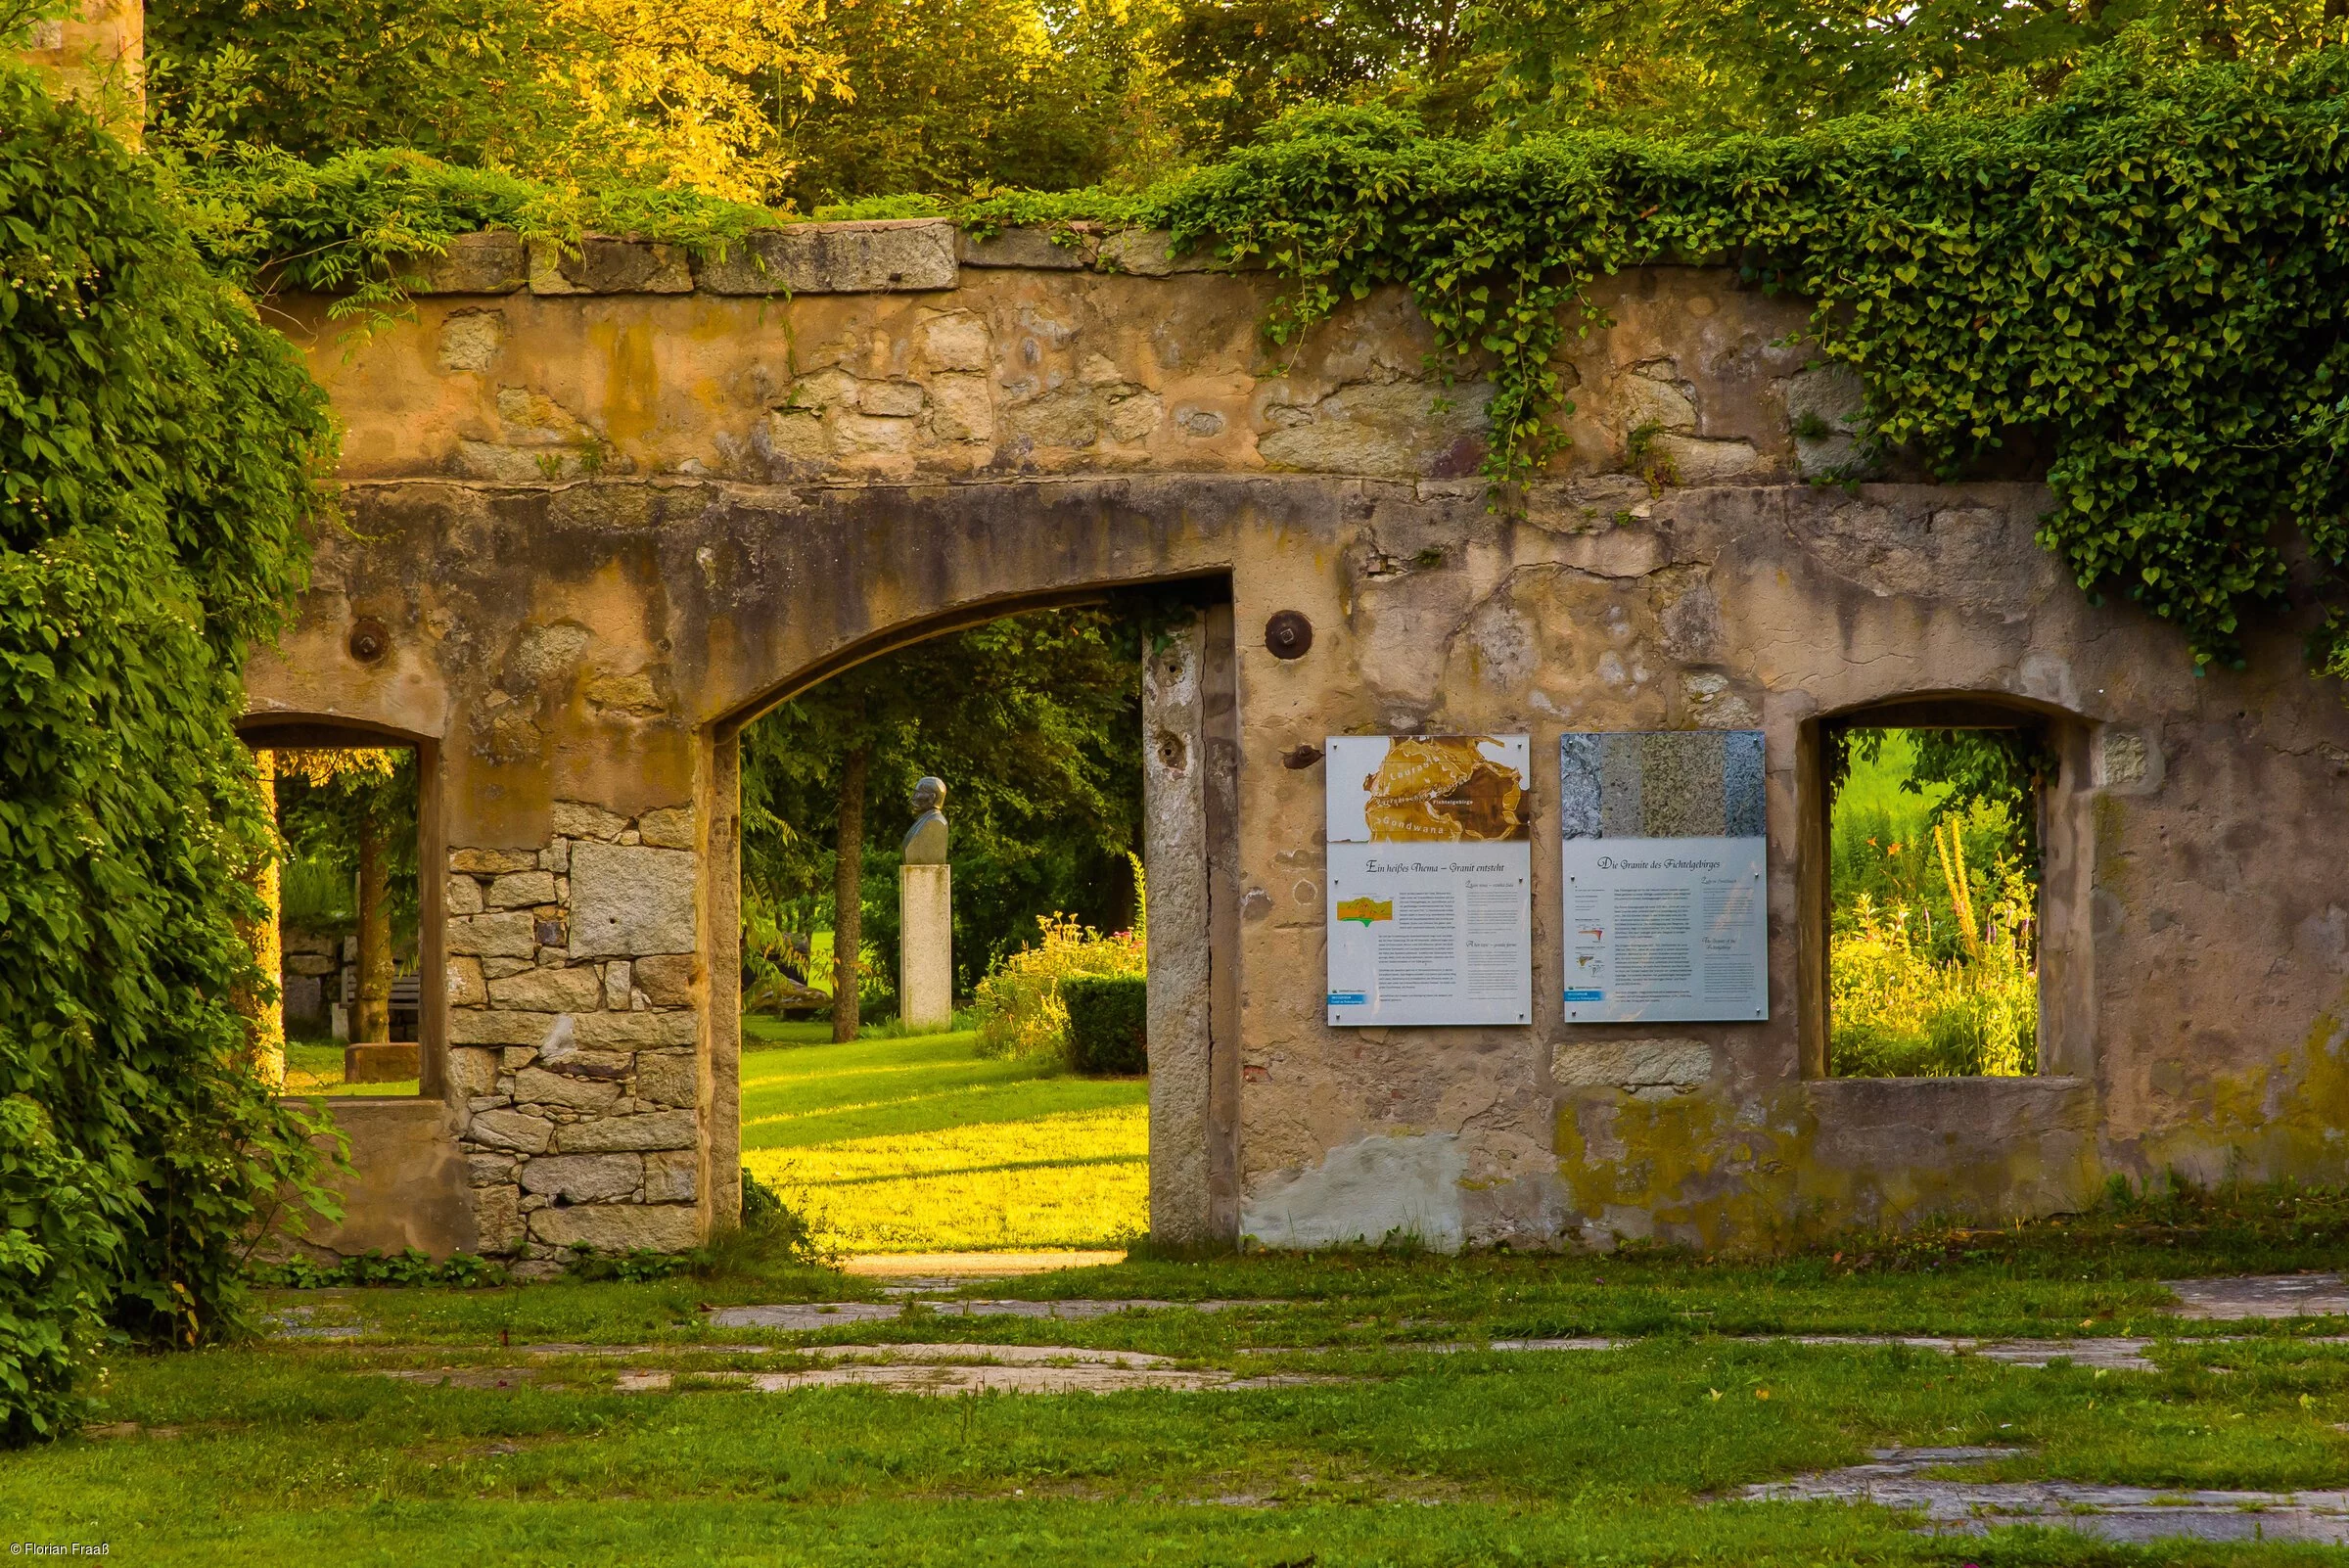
column 1003, row 1102
column 347, row 917
column 1934, row 873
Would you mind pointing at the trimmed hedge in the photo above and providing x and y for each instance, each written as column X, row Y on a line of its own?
column 1109, row 1022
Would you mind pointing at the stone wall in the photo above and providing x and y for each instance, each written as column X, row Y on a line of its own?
column 571, row 1034
column 609, row 507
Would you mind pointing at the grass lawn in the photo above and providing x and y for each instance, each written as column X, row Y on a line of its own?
column 1385, row 1454
column 921, row 1144
column 316, row 1067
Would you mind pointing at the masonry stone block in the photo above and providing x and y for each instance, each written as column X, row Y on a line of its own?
column 666, row 981
column 489, row 262
column 1150, row 253
column 584, row 1177
column 549, row 991
column 634, row 1031
column 617, row 984
column 472, row 1071
column 671, row 1177
column 668, row 1078
column 511, row 1130
column 502, row 936
column 888, row 257
column 464, row 982
column 497, row 1218
column 464, row 897
column 630, row 900
column 534, row 1085
column 620, row 1227
column 670, row 829
column 489, row 862
column 520, row 890
column 1631, row 1064
column 608, row 263
column 576, row 819
column 489, row 1169
column 655, row 1130
column 472, row 1026
column 1032, row 250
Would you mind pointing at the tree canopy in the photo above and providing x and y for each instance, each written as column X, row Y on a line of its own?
column 1034, row 723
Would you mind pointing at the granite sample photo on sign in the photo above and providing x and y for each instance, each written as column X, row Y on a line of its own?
column 1662, row 839
column 1430, row 860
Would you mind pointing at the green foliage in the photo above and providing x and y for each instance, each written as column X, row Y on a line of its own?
column 1109, row 1022
column 2145, row 271
column 362, row 224
column 160, row 456
column 957, row 96
column 461, row 1269
column 1034, row 723
column 1019, row 1004
column 1932, row 964
column 774, row 1225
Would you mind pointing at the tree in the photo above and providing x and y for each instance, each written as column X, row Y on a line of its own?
column 1035, row 723
column 951, row 95
column 355, row 808
column 667, row 92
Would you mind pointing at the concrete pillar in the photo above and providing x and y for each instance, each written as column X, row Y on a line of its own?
column 926, row 945
column 1175, row 856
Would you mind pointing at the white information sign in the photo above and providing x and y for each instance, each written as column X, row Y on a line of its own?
column 1663, row 837
column 1665, row 930
column 1430, row 898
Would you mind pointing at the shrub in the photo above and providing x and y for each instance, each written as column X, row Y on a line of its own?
column 161, row 451
column 1018, row 1004
column 1898, row 1013
column 1108, row 1026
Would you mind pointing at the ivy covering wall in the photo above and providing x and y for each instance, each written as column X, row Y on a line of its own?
column 2139, row 283
column 161, row 455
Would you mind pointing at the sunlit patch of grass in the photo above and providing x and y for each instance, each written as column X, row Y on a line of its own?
column 313, row 1068
column 890, row 1145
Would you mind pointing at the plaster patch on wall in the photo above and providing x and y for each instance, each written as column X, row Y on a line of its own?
column 1643, row 1068
column 1365, row 1192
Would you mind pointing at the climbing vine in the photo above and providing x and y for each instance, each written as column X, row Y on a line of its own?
column 161, row 453
column 2147, row 275
column 2138, row 281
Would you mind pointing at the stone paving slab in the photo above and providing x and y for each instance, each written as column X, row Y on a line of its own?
column 798, row 1315
column 2260, row 1296
column 944, row 1369
column 2134, row 1514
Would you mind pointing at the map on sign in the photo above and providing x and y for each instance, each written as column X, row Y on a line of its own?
column 1430, row 899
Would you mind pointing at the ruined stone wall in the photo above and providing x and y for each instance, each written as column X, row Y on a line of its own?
column 606, row 507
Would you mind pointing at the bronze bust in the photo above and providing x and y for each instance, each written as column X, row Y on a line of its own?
column 926, row 841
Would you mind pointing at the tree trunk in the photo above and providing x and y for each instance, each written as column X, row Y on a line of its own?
column 371, row 1018
column 265, row 1020
column 848, row 896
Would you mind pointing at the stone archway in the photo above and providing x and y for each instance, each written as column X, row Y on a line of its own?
column 1189, row 848
column 600, row 521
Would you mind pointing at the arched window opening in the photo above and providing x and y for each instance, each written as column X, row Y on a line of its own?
column 1934, row 868
column 356, row 930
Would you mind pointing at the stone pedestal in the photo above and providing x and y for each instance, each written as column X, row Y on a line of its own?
column 926, row 945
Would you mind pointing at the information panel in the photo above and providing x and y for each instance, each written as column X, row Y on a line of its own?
column 1430, row 903
column 1666, row 897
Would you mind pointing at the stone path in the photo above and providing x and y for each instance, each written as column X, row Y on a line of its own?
column 915, row 1273
column 1895, row 1479
column 832, row 1313
column 974, row 1370
column 2260, row 1296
